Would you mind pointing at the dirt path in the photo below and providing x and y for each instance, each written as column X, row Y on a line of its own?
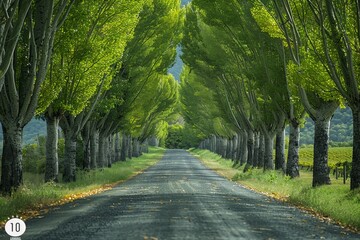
column 179, row 199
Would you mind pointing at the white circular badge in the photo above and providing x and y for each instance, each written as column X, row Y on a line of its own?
column 15, row 227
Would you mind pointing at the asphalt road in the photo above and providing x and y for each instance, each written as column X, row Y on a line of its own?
column 179, row 198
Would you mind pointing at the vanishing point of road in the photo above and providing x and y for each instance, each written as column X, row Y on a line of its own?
column 179, row 198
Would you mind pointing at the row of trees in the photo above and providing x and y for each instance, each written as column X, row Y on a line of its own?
column 256, row 66
column 95, row 79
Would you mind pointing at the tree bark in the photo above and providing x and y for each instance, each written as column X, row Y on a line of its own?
column 238, row 149
column 320, row 112
column 86, row 146
column 11, row 163
column 234, row 148
column 261, row 151
column 256, row 149
column 101, row 154
column 280, row 151
column 117, row 147
column 94, row 148
column 213, row 143
column 135, row 148
column 244, row 149
column 108, row 151
column 130, row 146
column 355, row 166
column 250, row 150
column 223, row 147
column 292, row 166
column 123, row 152
column 321, row 145
column 268, row 155
column 52, row 159
column 69, row 174
column 228, row 148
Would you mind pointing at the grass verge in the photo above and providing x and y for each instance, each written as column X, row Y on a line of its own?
column 333, row 202
column 36, row 197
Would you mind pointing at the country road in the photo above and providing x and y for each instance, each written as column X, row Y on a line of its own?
column 179, row 198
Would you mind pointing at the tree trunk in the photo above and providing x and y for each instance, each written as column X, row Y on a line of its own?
column 123, row 148
column 223, row 147
column 218, row 145
column 320, row 112
column 321, row 145
column 268, row 155
column 144, row 147
column 234, row 148
column 93, row 149
column 280, row 151
column 117, row 147
column 52, row 159
column 11, row 164
column 250, row 150
column 261, row 151
column 256, row 149
column 135, row 148
column 213, row 143
column 86, row 146
column 244, row 149
column 238, row 149
column 101, row 158
column 153, row 141
column 69, row 174
column 130, row 146
column 108, row 153
column 292, row 166
column 355, row 166
column 228, row 148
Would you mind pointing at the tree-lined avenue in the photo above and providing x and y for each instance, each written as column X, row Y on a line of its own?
column 179, row 198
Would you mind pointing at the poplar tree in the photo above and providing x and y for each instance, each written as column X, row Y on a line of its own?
column 23, row 79
column 83, row 65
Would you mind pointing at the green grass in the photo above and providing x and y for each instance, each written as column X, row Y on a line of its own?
column 333, row 201
column 34, row 195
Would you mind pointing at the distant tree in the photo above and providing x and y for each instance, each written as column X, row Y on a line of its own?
column 144, row 65
column 236, row 59
column 83, row 65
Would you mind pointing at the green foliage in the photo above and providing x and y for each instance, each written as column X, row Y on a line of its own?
column 34, row 156
column 182, row 136
column 174, row 138
column 191, row 136
column 200, row 108
column 228, row 53
column 85, row 54
column 148, row 94
column 266, row 21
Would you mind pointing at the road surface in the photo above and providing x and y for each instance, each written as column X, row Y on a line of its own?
column 179, row 198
